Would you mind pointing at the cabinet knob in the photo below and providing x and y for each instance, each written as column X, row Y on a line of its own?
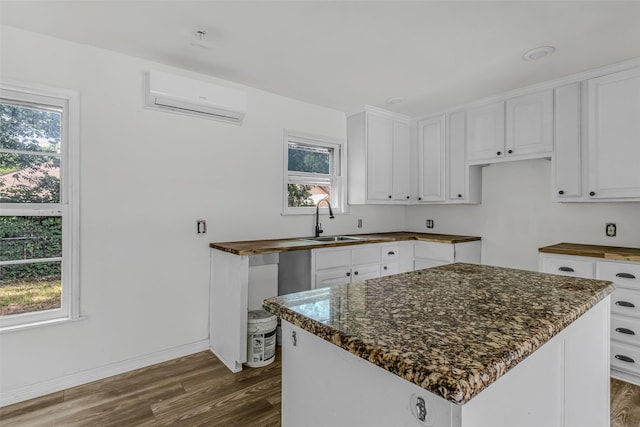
column 510, row 151
column 499, row 153
column 419, row 198
column 355, row 272
column 459, row 196
column 348, row 273
column 408, row 197
column 592, row 193
column 561, row 192
column 389, row 196
column 384, row 268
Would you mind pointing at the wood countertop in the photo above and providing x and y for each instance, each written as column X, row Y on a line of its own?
column 594, row 251
column 253, row 247
column 452, row 330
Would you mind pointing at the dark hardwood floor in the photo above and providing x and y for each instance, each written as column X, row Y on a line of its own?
column 198, row 390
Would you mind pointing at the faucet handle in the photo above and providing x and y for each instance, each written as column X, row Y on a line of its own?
column 320, row 230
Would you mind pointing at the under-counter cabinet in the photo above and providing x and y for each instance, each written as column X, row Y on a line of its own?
column 379, row 157
column 433, row 254
column 625, row 300
column 337, row 266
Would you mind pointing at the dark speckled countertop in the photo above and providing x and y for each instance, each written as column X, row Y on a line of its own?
column 452, row 330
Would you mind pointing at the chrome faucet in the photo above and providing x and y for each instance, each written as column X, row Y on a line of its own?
column 318, row 225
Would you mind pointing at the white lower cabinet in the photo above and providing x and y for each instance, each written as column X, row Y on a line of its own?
column 625, row 305
column 338, row 266
column 433, row 254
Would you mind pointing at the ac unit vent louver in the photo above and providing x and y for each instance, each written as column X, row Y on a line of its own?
column 183, row 95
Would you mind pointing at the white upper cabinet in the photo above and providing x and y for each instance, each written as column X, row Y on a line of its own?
column 431, row 159
column 567, row 160
column 463, row 183
column 379, row 157
column 516, row 129
column 529, row 124
column 613, row 135
column 485, row 132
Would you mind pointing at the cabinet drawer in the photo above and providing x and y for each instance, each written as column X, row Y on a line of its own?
column 390, row 252
column 567, row 267
column 333, row 277
column 436, row 251
column 625, row 329
column 420, row 264
column 365, row 255
column 360, row 273
column 626, row 302
column 625, row 357
column 332, row 258
column 625, row 275
column 389, row 268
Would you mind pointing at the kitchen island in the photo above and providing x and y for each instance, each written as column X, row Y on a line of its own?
column 457, row 345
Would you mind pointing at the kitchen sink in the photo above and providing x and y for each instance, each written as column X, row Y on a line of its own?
column 333, row 239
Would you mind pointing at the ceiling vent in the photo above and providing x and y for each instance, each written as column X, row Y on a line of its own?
column 182, row 95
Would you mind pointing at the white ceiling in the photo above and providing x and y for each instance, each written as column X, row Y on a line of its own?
column 343, row 54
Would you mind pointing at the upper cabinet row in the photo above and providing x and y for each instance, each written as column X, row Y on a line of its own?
column 589, row 128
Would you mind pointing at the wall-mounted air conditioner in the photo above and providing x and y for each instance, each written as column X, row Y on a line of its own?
column 194, row 97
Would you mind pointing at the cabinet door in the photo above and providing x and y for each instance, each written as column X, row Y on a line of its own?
column 567, row 159
column 339, row 276
column 614, row 135
column 530, row 124
column 457, row 171
column 365, row 272
column 431, row 151
column 401, row 161
column 379, row 157
column 485, row 132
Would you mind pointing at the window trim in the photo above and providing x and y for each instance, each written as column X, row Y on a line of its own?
column 337, row 180
column 68, row 207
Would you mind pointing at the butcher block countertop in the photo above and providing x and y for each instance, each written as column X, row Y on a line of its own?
column 452, row 330
column 594, row 251
column 253, row 247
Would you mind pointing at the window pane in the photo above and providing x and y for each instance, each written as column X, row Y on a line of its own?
column 29, row 128
column 34, row 237
column 301, row 195
column 26, row 288
column 305, row 158
column 29, row 179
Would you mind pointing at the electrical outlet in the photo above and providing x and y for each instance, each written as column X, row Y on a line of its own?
column 359, row 223
column 430, row 223
column 610, row 229
column 201, row 226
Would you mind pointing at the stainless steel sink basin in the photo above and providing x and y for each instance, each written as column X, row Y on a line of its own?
column 333, row 239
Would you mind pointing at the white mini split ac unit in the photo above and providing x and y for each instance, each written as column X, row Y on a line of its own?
column 194, row 97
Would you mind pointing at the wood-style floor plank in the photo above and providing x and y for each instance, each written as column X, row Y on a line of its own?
column 198, row 390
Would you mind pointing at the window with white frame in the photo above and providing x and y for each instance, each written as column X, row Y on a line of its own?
column 313, row 169
column 38, row 205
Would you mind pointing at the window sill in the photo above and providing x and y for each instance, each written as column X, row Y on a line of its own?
column 40, row 324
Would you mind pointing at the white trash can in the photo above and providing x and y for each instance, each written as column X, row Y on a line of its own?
column 261, row 338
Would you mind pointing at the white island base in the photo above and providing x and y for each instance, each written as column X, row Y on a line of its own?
column 565, row 383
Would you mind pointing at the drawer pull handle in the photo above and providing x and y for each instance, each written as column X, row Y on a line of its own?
column 625, row 331
column 569, row 269
column 625, row 358
column 626, row 304
column 626, row 275
column 391, row 253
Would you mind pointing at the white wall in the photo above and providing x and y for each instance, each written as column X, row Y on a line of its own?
column 146, row 177
column 517, row 217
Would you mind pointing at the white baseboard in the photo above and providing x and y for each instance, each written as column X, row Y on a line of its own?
column 51, row 386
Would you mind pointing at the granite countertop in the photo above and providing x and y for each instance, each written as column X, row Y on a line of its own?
column 253, row 247
column 452, row 330
column 594, row 251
